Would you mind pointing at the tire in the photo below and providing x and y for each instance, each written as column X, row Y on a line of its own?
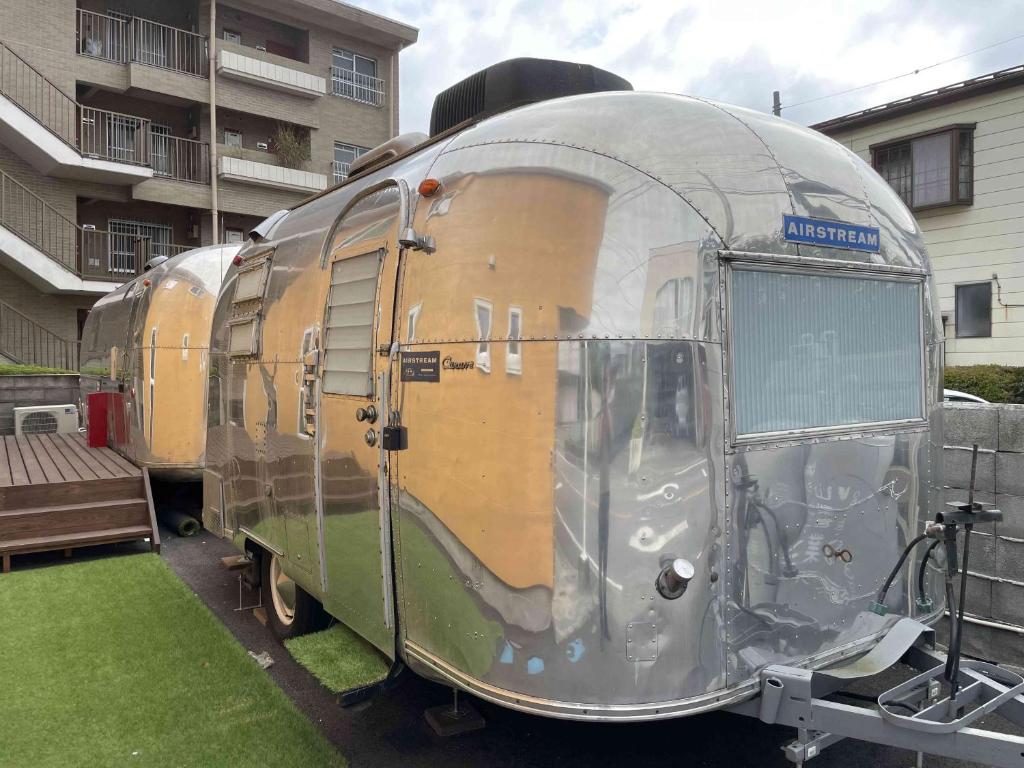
column 291, row 611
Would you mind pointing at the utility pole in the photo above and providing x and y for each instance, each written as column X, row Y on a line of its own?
column 776, row 104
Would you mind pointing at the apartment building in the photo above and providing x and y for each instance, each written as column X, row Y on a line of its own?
column 955, row 155
column 142, row 128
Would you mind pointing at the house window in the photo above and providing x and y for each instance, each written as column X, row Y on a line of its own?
column 344, row 155
column 482, row 310
column 974, row 310
column 126, row 234
column 932, row 169
column 355, row 77
column 232, row 138
column 232, row 37
column 514, row 350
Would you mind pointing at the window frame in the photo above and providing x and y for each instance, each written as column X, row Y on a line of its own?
column 412, row 317
column 956, row 132
column 730, row 262
column 482, row 355
column 235, row 37
column 514, row 360
column 956, row 310
column 249, row 308
column 377, row 248
column 233, row 132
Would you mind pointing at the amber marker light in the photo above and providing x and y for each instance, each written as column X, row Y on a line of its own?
column 428, row 187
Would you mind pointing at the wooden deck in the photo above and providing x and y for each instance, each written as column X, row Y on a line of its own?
column 39, row 459
column 58, row 493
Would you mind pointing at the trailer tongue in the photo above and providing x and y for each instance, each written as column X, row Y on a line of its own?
column 932, row 712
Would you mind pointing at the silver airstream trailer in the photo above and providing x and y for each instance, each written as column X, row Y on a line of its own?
column 146, row 345
column 596, row 407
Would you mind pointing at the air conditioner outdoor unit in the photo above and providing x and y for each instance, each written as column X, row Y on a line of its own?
column 45, row 420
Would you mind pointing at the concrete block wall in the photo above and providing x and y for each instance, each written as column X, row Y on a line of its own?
column 996, row 582
column 20, row 391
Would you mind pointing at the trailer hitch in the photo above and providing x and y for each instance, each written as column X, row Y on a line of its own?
column 932, row 712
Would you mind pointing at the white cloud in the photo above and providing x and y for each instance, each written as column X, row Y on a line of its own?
column 736, row 52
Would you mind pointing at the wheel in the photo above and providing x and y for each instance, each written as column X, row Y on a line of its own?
column 291, row 611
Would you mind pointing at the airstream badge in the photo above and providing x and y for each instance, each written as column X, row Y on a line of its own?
column 830, row 234
column 421, row 366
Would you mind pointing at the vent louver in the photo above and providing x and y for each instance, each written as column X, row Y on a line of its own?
column 513, row 83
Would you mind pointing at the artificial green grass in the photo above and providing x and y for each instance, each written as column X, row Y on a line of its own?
column 117, row 662
column 339, row 658
column 16, row 369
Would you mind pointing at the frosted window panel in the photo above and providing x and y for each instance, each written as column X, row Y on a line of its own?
column 348, row 347
column 814, row 351
column 932, row 156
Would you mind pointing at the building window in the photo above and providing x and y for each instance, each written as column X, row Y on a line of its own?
column 232, row 138
column 974, row 310
column 355, row 77
column 232, row 37
column 126, row 234
column 483, row 310
column 414, row 315
column 514, row 350
column 232, row 235
column 344, row 155
column 932, row 169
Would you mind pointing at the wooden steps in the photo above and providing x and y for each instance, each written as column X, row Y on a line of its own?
column 57, row 493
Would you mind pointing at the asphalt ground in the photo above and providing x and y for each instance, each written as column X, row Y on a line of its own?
column 391, row 730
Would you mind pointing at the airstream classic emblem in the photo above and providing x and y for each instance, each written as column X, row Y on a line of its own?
column 421, row 366
column 830, row 234
column 451, row 364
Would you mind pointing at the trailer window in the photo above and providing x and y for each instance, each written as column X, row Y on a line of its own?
column 482, row 311
column 814, row 351
column 348, row 355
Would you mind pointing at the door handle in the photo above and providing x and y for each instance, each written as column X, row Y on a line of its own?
column 369, row 414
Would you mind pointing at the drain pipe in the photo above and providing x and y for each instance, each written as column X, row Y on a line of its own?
column 393, row 111
column 212, row 46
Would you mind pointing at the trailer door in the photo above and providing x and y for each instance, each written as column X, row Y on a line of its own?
column 360, row 265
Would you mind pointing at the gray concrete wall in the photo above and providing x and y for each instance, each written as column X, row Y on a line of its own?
column 996, row 568
column 20, row 391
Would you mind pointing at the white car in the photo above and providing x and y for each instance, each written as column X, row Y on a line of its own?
column 954, row 396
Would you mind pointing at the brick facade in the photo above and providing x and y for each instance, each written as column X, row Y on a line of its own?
column 298, row 34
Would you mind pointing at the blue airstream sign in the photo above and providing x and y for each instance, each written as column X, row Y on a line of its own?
column 830, row 234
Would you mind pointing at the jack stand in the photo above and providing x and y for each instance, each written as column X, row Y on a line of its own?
column 259, row 597
column 458, row 718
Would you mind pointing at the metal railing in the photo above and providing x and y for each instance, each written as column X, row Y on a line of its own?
column 178, row 158
column 114, row 136
column 340, row 170
column 29, row 89
column 26, row 341
column 87, row 252
column 142, row 41
column 358, row 87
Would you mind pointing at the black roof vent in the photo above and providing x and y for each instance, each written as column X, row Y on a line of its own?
column 513, row 83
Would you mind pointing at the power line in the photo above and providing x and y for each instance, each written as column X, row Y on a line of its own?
column 905, row 74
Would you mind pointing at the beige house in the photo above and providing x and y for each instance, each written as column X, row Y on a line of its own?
column 122, row 138
column 956, row 157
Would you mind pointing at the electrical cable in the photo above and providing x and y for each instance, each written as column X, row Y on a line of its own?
column 899, row 77
column 896, row 569
column 924, row 565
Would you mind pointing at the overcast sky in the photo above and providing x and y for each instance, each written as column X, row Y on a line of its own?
column 736, row 52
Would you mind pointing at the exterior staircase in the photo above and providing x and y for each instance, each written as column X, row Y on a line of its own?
column 23, row 340
column 58, row 513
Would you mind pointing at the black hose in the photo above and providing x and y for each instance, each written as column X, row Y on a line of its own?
column 896, row 569
column 924, row 566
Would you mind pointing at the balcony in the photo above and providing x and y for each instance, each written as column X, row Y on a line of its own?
column 52, row 252
column 265, row 174
column 140, row 41
column 274, row 72
column 358, row 87
column 181, row 159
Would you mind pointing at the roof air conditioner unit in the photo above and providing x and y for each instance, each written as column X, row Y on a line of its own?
column 45, row 420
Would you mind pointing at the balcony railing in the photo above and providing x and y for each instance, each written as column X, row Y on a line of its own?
column 28, row 342
column 141, row 41
column 358, row 87
column 89, row 253
column 178, row 158
column 29, row 89
column 340, row 170
column 114, row 136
